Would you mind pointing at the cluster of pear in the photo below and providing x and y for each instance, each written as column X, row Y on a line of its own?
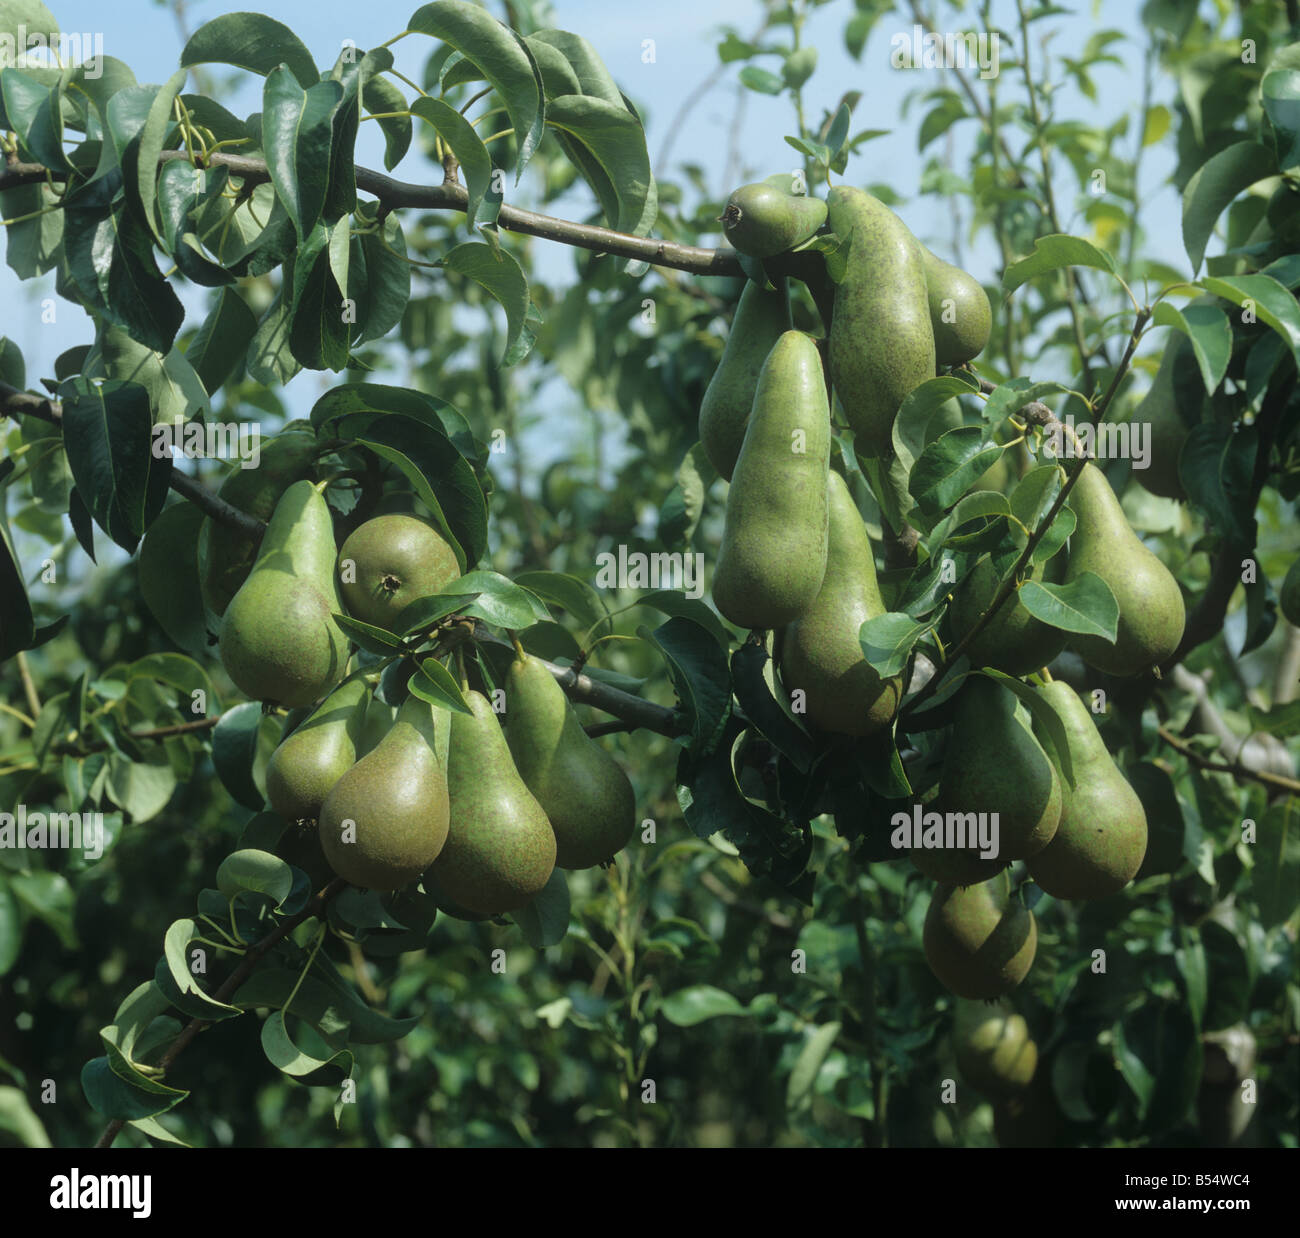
column 795, row 555
column 482, row 814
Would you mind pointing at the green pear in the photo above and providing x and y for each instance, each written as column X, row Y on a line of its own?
column 995, row 765
column 773, row 555
column 762, row 316
column 767, row 218
column 386, row 819
column 584, row 792
column 278, row 640
column 1102, row 839
column 881, row 343
column 979, row 940
column 315, row 755
column 226, row 556
column 1013, row 641
column 1151, row 613
column 959, row 311
column 501, row 849
column 820, row 652
column 994, row 1051
column 388, row 563
column 1166, row 426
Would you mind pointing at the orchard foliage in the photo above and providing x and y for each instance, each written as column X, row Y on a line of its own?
column 754, row 956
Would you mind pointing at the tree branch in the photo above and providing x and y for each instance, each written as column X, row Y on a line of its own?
column 315, row 905
column 13, row 401
column 1237, row 770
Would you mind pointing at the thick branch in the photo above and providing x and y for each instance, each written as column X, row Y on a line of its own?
column 315, row 905
column 13, row 401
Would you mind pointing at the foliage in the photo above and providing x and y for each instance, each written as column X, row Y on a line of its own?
column 756, row 951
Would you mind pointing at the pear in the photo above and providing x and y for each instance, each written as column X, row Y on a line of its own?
column 995, row 765
column 995, row 1053
column 1102, row 839
column 1151, row 613
column 315, row 755
column 1013, row 641
column 820, row 652
column 773, row 555
column 979, row 941
column 388, row 563
column 226, row 556
column 959, row 311
column 278, row 640
column 584, row 792
column 385, row 821
column 881, row 343
column 762, row 316
column 768, row 218
column 501, row 849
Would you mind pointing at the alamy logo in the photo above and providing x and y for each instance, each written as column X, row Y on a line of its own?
column 954, row 831
column 1128, row 440
column 638, row 570
column 54, row 48
column 221, row 440
column 120, row 1191
column 63, row 831
column 931, row 50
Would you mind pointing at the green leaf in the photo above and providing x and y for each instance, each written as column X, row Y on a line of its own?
column 1216, row 183
column 947, row 467
column 761, row 707
column 18, row 1119
column 590, row 75
column 258, row 871
column 677, row 605
column 284, row 1055
column 35, row 245
column 887, row 641
column 434, row 683
column 500, row 602
column 270, row 360
column 34, row 111
column 235, row 742
column 297, row 133
column 1279, row 92
column 500, row 56
column 382, row 98
column 946, row 113
column 1268, row 300
column 919, row 405
column 110, row 256
column 1084, row 605
column 17, row 627
column 499, row 274
column 693, row 1005
column 156, row 1130
column 1190, row 958
column 1052, row 253
column 545, row 920
column 107, row 433
column 113, row 1097
column 809, row 1063
column 799, row 66
column 465, row 143
column 569, row 593
column 217, row 351
column 141, row 787
column 174, row 968
column 761, row 80
column 11, row 927
column 254, row 42
column 182, row 191
column 1216, row 466
column 1275, row 875
column 49, row 897
column 1210, row 333
column 698, row 668
column 140, row 167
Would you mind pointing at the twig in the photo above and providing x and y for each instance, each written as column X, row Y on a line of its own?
column 1234, row 768
column 315, row 905
column 159, row 732
column 13, row 401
